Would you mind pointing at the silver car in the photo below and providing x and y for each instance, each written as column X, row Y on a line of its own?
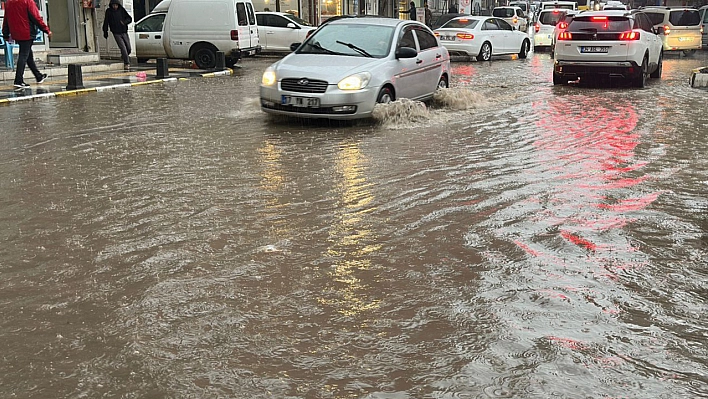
column 347, row 66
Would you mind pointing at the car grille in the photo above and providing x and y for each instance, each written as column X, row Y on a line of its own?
column 303, row 85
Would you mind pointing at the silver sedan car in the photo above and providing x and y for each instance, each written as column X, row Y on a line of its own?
column 347, row 66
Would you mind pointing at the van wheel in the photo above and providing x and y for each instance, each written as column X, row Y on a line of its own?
column 205, row 57
column 689, row 53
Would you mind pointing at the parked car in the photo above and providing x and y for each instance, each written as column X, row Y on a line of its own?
column 613, row 44
column 703, row 12
column 515, row 16
column 547, row 21
column 482, row 37
column 148, row 36
column 679, row 27
column 278, row 30
column 347, row 66
column 198, row 29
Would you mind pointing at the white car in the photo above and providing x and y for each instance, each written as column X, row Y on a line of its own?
column 148, row 34
column 348, row 65
column 482, row 37
column 614, row 44
column 278, row 30
column 544, row 27
column 515, row 16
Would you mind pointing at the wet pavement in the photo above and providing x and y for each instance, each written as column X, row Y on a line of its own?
column 513, row 239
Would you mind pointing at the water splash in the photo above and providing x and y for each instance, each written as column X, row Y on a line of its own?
column 459, row 98
column 401, row 113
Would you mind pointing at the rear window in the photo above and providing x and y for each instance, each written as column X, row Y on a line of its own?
column 520, row 5
column 461, row 23
column 503, row 12
column 550, row 18
column 657, row 18
column 599, row 24
column 684, row 18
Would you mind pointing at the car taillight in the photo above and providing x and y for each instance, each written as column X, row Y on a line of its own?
column 565, row 36
column 515, row 20
column 595, row 19
column 562, row 25
column 702, row 29
column 631, row 35
column 234, row 35
column 465, row 36
column 667, row 29
column 537, row 27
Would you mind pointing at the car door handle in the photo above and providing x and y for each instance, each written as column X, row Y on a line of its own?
column 419, row 62
column 158, row 37
column 438, row 56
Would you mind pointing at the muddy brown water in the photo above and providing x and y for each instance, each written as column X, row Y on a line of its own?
column 512, row 240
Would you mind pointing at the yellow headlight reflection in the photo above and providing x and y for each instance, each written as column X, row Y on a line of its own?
column 268, row 77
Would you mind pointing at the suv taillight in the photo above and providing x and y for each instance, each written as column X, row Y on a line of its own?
column 234, row 35
column 631, row 35
column 537, row 26
column 562, row 25
column 565, row 36
column 667, row 29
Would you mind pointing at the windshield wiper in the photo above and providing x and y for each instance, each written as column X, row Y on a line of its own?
column 326, row 50
column 359, row 49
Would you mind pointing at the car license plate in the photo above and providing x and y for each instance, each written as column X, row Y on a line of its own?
column 685, row 39
column 311, row 102
column 447, row 38
column 594, row 49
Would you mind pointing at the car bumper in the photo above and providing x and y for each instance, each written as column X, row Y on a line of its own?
column 612, row 69
column 680, row 43
column 542, row 40
column 334, row 103
column 470, row 50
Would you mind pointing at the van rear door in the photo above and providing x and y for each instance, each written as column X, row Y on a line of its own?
column 247, row 28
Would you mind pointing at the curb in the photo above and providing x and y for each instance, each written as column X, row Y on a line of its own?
column 77, row 92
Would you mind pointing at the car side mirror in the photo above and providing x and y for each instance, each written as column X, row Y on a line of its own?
column 406, row 52
column 292, row 26
column 294, row 46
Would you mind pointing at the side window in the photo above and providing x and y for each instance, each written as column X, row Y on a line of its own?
column 425, row 39
column 407, row 39
column 260, row 18
column 645, row 23
column 279, row 22
column 241, row 14
column 503, row 25
column 151, row 24
column 490, row 25
column 655, row 18
column 251, row 14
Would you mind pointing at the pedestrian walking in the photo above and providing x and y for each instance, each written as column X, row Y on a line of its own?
column 428, row 15
column 412, row 12
column 117, row 19
column 21, row 23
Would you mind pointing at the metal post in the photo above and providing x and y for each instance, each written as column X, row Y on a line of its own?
column 220, row 61
column 76, row 80
column 162, row 70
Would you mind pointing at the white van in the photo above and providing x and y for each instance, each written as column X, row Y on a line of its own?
column 197, row 29
column 563, row 5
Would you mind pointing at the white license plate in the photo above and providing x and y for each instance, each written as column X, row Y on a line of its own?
column 685, row 39
column 594, row 49
column 310, row 102
column 447, row 38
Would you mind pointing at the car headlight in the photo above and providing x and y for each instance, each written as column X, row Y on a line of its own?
column 269, row 78
column 355, row 82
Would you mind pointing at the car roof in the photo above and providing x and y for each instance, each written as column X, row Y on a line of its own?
column 372, row 20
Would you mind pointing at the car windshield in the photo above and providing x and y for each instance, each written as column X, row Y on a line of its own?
column 298, row 20
column 684, row 18
column 356, row 40
column 503, row 12
column 599, row 24
column 461, row 23
column 551, row 18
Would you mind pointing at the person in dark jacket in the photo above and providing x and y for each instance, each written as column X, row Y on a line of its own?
column 412, row 12
column 117, row 19
column 21, row 24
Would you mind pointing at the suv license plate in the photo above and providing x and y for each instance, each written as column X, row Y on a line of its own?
column 310, row 102
column 594, row 49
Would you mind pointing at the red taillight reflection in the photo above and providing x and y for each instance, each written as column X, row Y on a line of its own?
column 465, row 36
column 565, row 36
column 234, row 35
column 537, row 27
column 562, row 25
column 631, row 35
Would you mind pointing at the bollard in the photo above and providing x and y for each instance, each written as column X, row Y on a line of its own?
column 76, row 81
column 220, row 61
column 162, row 70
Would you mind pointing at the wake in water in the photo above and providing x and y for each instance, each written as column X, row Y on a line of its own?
column 401, row 112
column 459, row 98
column 249, row 107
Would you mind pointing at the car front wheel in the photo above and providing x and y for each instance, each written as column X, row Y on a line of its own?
column 443, row 84
column 385, row 96
column 205, row 58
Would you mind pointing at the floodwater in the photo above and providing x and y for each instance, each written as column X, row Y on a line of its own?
column 513, row 240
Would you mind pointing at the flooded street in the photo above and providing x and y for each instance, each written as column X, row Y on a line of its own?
column 514, row 240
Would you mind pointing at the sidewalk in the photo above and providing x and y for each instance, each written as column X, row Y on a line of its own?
column 96, row 77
